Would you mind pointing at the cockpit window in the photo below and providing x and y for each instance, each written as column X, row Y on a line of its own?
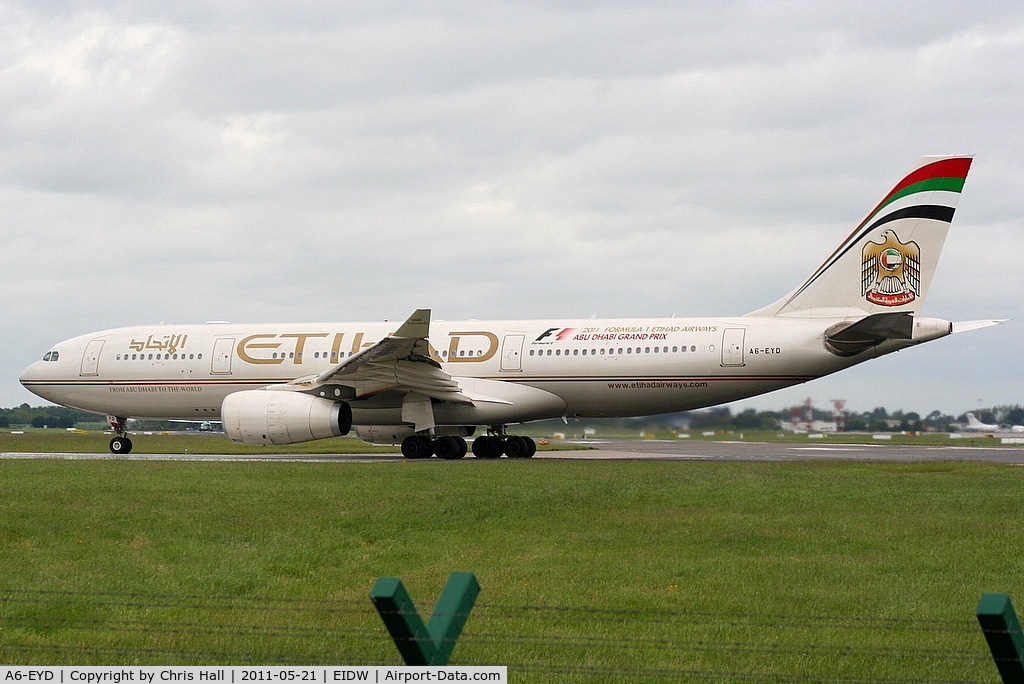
column 51, row 356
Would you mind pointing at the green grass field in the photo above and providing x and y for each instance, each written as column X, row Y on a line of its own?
column 95, row 441
column 606, row 571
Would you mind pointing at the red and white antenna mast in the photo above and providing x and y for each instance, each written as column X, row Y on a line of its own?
column 839, row 414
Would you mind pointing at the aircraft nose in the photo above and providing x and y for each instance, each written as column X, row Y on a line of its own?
column 32, row 377
column 28, row 375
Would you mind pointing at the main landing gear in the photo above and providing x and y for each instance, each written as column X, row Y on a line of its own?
column 493, row 446
column 450, row 447
column 120, row 444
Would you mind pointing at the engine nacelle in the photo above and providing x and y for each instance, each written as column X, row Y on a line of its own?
column 394, row 434
column 282, row 417
column 383, row 434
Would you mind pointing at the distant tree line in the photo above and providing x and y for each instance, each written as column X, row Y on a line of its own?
column 45, row 416
column 719, row 418
column 877, row 420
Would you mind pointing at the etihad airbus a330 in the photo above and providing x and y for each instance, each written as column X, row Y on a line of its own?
column 429, row 385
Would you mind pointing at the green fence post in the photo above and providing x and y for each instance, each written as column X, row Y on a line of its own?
column 404, row 625
column 999, row 622
column 451, row 613
column 433, row 643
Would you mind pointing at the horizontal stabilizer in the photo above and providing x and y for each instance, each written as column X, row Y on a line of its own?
column 965, row 326
column 847, row 339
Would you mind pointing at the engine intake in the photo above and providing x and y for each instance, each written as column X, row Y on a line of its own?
column 272, row 417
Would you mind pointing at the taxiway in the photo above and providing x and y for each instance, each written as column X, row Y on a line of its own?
column 632, row 450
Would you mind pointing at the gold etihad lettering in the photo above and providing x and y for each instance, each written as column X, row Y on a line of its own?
column 246, row 344
column 453, row 346
column 253, row 349
column 167, row 343
column 300, row 342
column 279, row 348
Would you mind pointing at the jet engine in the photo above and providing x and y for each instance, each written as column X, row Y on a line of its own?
column 282, row 417
column 383, row 434
column 394, row 434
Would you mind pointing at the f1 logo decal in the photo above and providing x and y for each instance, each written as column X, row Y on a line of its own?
column 562, row 333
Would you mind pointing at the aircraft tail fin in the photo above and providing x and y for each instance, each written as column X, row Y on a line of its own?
column 973, row 422
column 886, row 263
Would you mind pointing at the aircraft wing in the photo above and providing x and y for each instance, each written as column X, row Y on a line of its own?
column 400, row 363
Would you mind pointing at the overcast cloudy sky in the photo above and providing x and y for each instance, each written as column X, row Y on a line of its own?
column 312, row 160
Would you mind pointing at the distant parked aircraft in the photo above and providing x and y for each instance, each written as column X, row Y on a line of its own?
column 975, row 425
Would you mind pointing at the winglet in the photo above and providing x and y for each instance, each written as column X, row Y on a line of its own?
column 416, row 326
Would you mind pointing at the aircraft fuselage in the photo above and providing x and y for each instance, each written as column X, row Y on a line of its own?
column 599, row 368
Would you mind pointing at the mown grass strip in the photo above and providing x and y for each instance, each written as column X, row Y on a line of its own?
column 598, row 566
column 61, row 441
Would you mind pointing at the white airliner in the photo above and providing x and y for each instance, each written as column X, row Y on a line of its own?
column 975, row 425
column 430, row 385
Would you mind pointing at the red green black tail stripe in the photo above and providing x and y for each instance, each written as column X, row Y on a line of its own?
column 944, row 175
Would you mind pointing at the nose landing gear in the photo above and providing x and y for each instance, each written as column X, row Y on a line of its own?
column 120, row 444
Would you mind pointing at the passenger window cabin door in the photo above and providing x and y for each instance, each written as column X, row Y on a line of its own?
column 732, row 346
column 512, row 352
column 222, row 349
column 91, row 357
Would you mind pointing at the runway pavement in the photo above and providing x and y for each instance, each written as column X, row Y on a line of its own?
column 640, row 450
column 764, row 451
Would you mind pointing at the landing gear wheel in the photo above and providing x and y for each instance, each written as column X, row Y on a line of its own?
column 449, row 447
column 120, row 445
column 520, row 447
column 416, row 447
column 486, row 446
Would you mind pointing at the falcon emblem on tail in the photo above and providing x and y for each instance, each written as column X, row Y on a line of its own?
column 890, row 271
